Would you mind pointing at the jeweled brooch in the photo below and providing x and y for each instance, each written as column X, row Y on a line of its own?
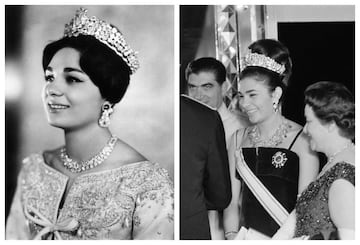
column 279, row 159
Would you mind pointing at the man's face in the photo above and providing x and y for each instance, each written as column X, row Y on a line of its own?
column 205, row 88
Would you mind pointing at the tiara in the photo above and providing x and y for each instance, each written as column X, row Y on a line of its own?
column 255, row 59
column 109, row 35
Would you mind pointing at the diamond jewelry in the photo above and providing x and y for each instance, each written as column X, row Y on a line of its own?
column 276, row 139
column 104, row 120
column 109, row 35
column 279, row 159
column 332, row 157
column 276, row 106
column 77, row 167
column 255, row 59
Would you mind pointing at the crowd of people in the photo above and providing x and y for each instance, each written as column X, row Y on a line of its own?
column 278, row 188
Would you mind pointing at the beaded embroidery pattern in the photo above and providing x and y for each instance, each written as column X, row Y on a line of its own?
column 107, row 204
column 312, row 210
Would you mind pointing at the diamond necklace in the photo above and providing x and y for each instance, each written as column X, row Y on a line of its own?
column 77, row 167
column 276, row 139
column 332, row 157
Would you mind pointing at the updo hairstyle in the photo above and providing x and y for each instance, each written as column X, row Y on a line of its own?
column 333, row 102
column 276, row 51
column 105, row 68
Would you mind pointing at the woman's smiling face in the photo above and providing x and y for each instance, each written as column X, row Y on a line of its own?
column 255, row 99
column 70, row 98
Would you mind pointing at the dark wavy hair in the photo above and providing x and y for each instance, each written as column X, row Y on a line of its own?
column 333, row 102
column 207, row 64
column 276, row 51
column 104, row 67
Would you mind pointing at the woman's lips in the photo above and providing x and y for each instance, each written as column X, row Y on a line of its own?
column 250, row 111
column 57, row 107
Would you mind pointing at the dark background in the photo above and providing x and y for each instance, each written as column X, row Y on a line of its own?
column 13, row 37
column 320, row 51
column 192, row 20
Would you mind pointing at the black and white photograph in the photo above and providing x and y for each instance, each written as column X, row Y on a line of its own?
column 281, row 81
column 89, row 122
column 179, row 121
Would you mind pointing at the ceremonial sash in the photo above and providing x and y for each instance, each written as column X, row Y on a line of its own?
column 262, row 194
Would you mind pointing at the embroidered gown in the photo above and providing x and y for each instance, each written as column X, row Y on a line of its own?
column 134, row 201
column 312, row 209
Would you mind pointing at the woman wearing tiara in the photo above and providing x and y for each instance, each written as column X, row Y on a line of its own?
column 270, row 161
column 95, row 186
column 326, row 208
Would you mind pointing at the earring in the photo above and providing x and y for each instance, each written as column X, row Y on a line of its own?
column 106, row 111
column 275, row 106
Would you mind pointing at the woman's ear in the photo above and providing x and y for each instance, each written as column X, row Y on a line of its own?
column 331, row 127
column 277, row 94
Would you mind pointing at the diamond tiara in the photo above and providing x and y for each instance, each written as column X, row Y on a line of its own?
column 109, row 35
column 255, row 59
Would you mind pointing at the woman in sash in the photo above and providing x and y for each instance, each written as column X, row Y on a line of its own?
column 326, row 208
column 275, row 150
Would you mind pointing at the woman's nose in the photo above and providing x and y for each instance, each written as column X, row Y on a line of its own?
column 52, row 89
column 243, row 102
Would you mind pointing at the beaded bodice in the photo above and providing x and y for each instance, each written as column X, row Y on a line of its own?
column 312, row 210
column 122, row 203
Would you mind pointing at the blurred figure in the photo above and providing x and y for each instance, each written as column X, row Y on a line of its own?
column 204, row 177
column 271, row 160
column 326, row 208
column 96, row 186
column 206, row 83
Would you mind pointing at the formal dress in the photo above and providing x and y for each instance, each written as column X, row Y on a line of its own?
column 312, row 208
column 204, row 171
column 134, row 201
column 281, row 181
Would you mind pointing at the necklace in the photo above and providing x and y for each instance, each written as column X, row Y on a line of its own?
column 77, row 167
column 332, row 157
column 276, row 139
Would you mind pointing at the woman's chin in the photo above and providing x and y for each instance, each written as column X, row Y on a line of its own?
column 56, row 123
column 313, row 145
column 253, row 119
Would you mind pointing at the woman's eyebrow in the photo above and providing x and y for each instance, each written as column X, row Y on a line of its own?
column 250, row 91
column 70, row 69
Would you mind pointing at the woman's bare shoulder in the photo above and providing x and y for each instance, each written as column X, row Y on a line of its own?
column 301, row 144
column 294, row 126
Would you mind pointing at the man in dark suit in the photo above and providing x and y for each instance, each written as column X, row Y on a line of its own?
column 204, row 170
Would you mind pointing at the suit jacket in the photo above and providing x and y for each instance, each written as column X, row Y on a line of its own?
column 204, row 168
